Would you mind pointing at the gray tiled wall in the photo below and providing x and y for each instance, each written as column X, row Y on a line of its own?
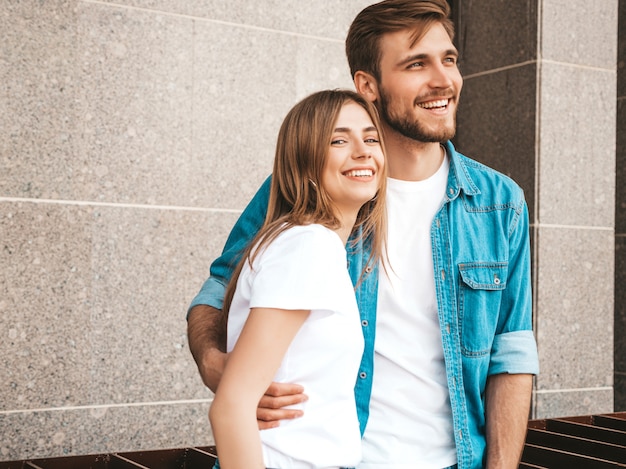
column 539, row 104
column 133, row 133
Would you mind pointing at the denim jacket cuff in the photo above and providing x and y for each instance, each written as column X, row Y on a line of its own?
column 211, row 294
column 514, row 352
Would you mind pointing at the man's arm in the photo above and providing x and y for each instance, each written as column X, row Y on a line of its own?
column 207, row 342
column 507, row 406
column 206, row 331
column 514, row 358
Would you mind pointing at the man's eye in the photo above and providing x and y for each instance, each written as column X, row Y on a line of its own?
column 416, row 65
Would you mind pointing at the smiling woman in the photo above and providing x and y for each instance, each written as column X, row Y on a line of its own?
column 355, row 160
column 290, row 305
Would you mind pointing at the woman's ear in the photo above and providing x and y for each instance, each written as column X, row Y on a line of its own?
column 366, row 85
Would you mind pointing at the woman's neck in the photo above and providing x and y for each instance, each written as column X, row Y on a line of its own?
column 347, row 221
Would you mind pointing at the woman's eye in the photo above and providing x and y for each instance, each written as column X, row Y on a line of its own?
column 338, row 141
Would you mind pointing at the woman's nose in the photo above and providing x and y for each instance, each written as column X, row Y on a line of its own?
column 362, row 151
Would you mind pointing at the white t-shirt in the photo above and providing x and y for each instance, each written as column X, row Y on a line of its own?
column 410, row 420
column 305, row 267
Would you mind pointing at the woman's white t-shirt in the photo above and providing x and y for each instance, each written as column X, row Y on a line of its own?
column 305, row 267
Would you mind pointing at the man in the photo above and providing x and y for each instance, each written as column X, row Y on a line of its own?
column 448, row 379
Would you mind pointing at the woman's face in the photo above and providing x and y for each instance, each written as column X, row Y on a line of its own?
column 353, row 170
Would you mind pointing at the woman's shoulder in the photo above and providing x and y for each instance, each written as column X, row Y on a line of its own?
column 309, row 233
column 312, row 244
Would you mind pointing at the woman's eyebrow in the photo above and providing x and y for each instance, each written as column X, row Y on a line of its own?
column 348, row 129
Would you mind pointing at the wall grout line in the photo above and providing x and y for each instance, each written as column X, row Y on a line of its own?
column 118, row 205
column 556, row 391
column 106, row 406
column 226, row 210
column 530, row 62
column 214, row 21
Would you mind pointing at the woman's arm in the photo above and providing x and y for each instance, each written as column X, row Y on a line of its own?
column 249, row 371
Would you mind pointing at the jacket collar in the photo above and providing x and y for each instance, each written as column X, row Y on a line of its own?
column 458, row 177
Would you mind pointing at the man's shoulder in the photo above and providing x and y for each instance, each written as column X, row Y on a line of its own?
column 483, row 176
column 487, row 186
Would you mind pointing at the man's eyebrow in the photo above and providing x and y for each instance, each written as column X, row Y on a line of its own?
column 423, row 56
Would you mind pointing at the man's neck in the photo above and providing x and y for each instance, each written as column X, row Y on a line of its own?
column 409, row 160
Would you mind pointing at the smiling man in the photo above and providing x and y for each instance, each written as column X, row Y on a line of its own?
column 446, row 376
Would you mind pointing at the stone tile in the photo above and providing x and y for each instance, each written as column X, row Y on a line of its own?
column 500, row 131
column 577, row 149
column 573, row 403
column 574, row 308
column 45, row 293
column 98, row 430
column 239, row 106
column 94, row 302
column 320, row 65
column 574, row 33
column 491, row 34
column 37, row 97
column 238, row 110
column 135, row 106
column 322, row 19
column 146, row 271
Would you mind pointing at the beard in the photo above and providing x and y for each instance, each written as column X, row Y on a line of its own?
column 408, row 126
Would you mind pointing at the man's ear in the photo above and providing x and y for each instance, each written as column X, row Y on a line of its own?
column 366, row 85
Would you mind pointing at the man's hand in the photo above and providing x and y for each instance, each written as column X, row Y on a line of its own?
column 271, row 406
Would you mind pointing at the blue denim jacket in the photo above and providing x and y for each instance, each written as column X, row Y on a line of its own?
column 481, row 256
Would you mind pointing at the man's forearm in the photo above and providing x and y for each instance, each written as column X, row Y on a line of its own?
column 507, row 405
column 207, row 343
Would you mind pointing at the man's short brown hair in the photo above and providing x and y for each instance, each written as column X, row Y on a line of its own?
column 388, row 16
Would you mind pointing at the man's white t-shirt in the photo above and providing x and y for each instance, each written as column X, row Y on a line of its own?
column 410, row 420
column 305, row 267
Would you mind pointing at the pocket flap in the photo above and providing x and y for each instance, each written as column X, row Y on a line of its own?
column 484, row 275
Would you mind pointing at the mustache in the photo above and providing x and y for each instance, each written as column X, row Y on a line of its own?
column 450, row 93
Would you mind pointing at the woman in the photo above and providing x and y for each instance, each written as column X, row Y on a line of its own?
column 292, row 312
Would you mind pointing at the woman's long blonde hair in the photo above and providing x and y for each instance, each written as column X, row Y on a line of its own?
column 297, row 195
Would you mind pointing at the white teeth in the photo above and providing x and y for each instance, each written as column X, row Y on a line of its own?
column 360, row 173
column 434, row 104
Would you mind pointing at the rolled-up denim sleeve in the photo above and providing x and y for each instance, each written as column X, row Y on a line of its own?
column 246, row 227
column 514, row 352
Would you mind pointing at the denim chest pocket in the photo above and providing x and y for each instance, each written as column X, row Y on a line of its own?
column 480, row 295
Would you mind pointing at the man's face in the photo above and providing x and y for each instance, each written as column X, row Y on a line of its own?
column 420, row 85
